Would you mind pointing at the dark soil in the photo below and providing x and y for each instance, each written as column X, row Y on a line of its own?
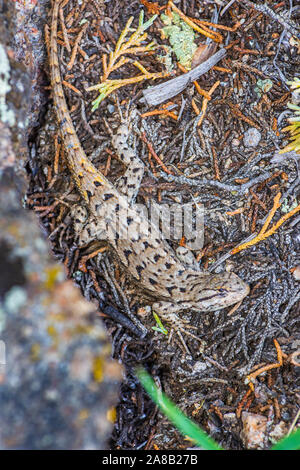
column 208, row 383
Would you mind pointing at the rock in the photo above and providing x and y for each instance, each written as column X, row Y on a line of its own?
column 252, row 137
column 279, row 431
column 254, row 428
column 58, row 383
column 296, row 273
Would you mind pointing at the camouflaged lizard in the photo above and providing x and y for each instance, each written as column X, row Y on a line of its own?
column 159, row 272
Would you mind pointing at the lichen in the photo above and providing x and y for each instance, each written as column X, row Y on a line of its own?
column 263, row 86
column 15, row 299
column 6, row 115
column 181, row 37
column 98, row 369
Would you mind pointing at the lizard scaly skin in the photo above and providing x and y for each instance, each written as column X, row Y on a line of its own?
column 150, row 260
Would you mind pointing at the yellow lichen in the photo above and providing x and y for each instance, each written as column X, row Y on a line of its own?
column 111, row 414
column 98, row 369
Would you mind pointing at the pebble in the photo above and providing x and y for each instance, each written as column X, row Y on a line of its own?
column 199, row 367
column 254, row 429
column 296, row 273
column 252, row 137
column 279, row 431
column 235, row 142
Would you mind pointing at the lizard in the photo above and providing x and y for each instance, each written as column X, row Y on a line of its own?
column 108, row 211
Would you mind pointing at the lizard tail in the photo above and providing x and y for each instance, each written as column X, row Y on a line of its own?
column 65, row 122
column 79, row 164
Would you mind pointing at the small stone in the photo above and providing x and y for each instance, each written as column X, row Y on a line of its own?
column 199, row 367
column 235, row 142
column 252, row 137
column 143, row 311
column 254, row 428
column 296, row 273
column 111, row 108
column 279, row 431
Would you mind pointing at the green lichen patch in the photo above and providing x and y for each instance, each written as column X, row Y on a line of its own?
column 181, row 37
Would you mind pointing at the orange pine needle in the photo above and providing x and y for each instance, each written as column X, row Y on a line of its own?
column 263, row 234
column 275, row 365
column 206, row 32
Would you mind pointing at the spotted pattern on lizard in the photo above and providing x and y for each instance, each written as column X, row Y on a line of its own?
column 108, row 210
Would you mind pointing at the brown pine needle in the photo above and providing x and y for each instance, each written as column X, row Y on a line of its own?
column 205, row 103
column 64, row 30
column 84, row 259
column 154, row 154
column 76, row 45
column 164, row 112
column 72, row 87
column 276, row 205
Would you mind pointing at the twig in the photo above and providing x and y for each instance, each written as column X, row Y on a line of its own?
column 163, row 92
column 241, row 189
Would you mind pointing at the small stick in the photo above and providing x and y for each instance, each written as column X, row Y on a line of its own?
column 242, row 189
column 163, row 92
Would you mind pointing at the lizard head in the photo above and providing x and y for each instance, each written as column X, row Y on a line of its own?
column 217, row 291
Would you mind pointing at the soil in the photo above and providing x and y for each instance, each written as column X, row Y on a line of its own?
column 206, row 378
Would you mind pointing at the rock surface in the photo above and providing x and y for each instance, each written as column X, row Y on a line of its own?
column 58, row 384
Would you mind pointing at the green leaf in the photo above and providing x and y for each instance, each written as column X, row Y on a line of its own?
column 161, row 327
column 149, row 22
column 186, row 426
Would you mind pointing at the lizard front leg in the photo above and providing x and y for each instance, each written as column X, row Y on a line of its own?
column 168, row 311
column 186, row 256
column 87, row 229
column 129, row 183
